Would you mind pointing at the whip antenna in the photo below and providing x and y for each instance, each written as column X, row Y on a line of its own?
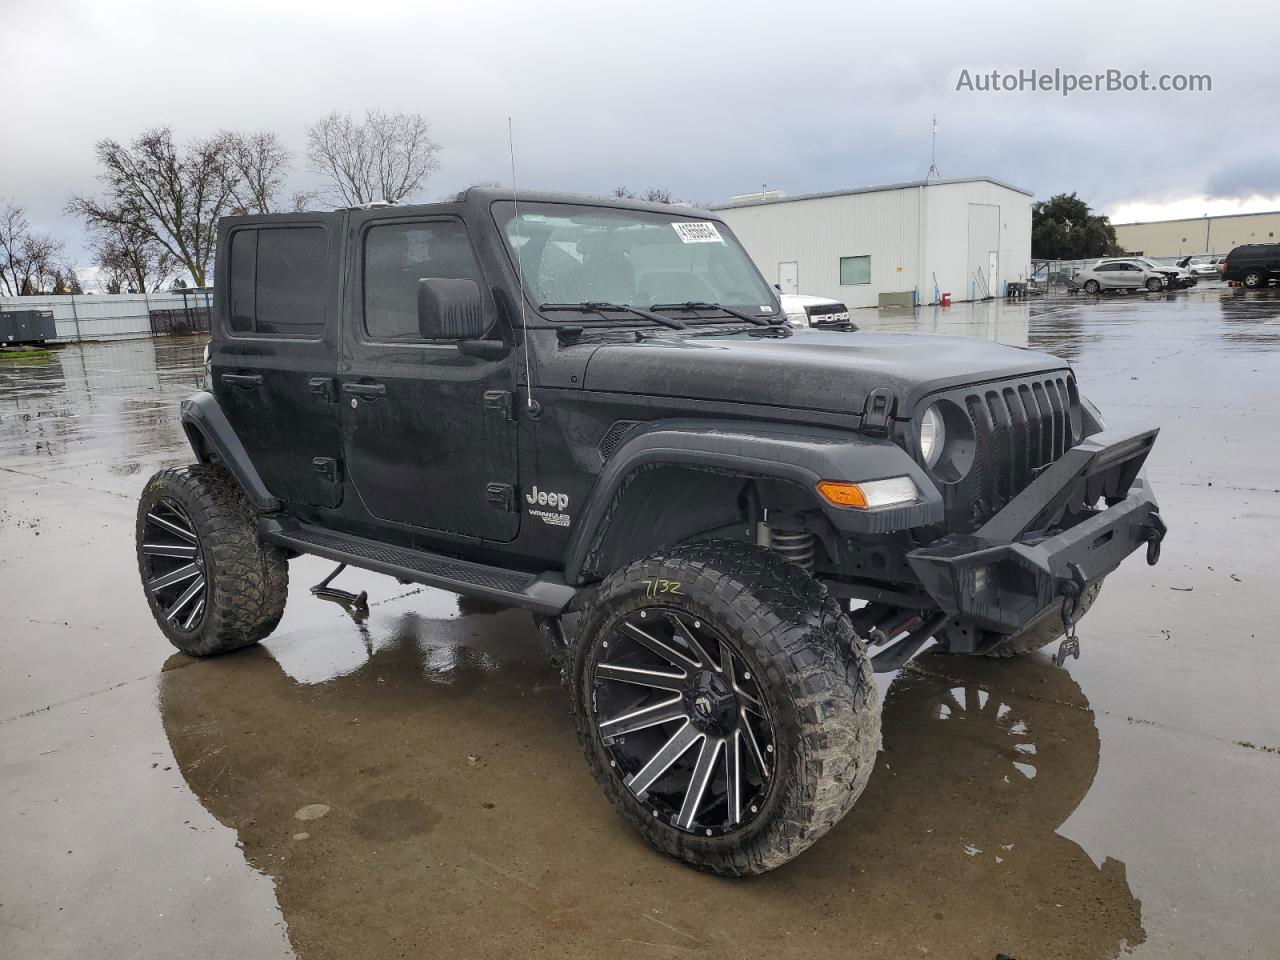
column 519, row 244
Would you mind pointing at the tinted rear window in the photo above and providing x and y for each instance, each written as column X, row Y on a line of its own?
column 278, row 281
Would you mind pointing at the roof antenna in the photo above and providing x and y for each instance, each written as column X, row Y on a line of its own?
column 933, row 154
column 524, row 323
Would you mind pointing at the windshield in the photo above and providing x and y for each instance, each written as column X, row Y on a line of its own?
column 573, row 254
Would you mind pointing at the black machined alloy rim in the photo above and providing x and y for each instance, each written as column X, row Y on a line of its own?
column 683, row 720
column 173, row 565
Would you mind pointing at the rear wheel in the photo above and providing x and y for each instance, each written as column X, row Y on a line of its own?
column 1254, row 279
column 1092, row 286
column 212, row 584
column 725, row 704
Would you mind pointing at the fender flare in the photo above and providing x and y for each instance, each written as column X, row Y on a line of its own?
column 209, row 432
column 804, row 456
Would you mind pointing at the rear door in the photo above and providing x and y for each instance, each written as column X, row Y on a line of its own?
column 1115, row 274
column 429, row 434
column 274, row 363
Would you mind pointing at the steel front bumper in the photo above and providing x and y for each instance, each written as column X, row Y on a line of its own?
column 1038, row 550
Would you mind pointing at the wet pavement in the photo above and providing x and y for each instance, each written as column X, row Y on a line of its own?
column 412, row 786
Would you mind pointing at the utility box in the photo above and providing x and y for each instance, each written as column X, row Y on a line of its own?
column 26, row 326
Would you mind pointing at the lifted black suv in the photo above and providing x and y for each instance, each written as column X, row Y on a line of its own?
column 595, row 411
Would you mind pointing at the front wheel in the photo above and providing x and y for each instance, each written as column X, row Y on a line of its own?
column 1154, row 285
column 725, row 704
column 212, row 584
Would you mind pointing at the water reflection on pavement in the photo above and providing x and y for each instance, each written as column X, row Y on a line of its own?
column 412, row 785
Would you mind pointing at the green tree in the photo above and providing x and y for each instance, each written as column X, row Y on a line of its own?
column 1065, row 228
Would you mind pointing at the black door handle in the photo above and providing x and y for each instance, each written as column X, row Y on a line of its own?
column 246, row 380
column 369, row 391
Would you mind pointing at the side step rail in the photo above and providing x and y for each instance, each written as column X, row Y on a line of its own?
column 542, row 593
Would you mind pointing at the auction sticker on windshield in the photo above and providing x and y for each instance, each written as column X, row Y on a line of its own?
column 691, row 231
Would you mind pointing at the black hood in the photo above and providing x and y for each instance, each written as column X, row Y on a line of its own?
column 814, row 371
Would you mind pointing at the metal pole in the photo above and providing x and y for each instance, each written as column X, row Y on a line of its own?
column 76, row 317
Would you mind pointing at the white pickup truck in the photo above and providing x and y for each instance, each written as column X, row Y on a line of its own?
column 803, row 310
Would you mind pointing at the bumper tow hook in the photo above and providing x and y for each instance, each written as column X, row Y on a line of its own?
column 1155, row 531
column 1072, row 590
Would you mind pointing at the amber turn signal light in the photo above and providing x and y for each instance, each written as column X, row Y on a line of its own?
column 869, row 494
column 843, row 494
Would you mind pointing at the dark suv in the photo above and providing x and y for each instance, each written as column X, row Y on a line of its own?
column 1254, row 264
column 595, row 411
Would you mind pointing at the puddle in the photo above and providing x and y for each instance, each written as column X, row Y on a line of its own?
column 452, row 778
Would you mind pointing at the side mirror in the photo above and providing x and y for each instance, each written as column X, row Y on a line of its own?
column 450, row 309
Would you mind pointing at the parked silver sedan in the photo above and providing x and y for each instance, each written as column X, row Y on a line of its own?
column 1118, row 274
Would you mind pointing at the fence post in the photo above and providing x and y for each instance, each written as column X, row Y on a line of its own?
column 75, row 316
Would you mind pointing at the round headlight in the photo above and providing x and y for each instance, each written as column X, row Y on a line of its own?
column 933, row 434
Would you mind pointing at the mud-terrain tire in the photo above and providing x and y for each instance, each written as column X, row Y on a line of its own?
column 242, row 582
column 1039, row 633
column 794, row 651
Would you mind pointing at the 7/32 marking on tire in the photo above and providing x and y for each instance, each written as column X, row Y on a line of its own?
column 656, row 588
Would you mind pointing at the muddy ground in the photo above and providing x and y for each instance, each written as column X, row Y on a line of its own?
column 411, row 787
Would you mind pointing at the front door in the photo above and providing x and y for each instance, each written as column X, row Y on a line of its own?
column 429, row 434
column 789, row 276
column 274, row 360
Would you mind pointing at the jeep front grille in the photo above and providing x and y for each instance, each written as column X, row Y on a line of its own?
column 1019, row 427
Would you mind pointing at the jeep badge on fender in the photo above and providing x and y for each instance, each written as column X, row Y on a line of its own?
column 762, row 517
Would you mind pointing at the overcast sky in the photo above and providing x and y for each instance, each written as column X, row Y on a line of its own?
column 707, row 99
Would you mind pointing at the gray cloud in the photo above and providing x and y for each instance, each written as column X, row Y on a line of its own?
column 1242, row 180
column 706, row 99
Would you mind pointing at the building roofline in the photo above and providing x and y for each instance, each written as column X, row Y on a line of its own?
column 1216, row 216
column 881, row 189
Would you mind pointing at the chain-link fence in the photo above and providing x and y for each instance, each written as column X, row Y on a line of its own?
column 124, row 315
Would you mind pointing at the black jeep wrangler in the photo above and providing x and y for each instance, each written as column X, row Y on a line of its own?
column 596, row 411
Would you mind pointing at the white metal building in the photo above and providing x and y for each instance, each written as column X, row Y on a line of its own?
column 897, row 243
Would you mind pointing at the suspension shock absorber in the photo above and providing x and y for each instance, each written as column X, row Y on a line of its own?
column 798, row 546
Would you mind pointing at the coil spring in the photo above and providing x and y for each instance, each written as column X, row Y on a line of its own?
column 798, row 546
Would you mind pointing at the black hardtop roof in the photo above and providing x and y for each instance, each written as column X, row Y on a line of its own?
column 483, row 197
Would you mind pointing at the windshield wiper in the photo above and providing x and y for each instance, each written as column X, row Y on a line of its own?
column 597, row 306
column 692, row 305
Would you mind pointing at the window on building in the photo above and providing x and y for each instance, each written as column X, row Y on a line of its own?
column 277, row 283
column 855, row 270
column 396, row 257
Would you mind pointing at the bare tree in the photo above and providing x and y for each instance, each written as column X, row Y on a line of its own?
column 300, row 200
column 175, row 195
column 261, row 164
column 130, row 258
column 652, row 195
column 63, row 279
column 27, row 258
column 386, row 157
